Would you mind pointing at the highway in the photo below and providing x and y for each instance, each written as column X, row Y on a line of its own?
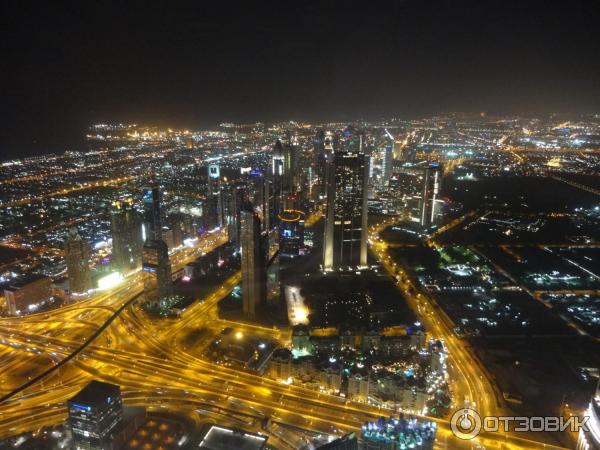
column 145, row 358
column 467, row 377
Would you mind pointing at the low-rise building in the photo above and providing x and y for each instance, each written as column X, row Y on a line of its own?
column 28, row 294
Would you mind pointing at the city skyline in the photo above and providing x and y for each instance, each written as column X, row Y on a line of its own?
column 300, row 226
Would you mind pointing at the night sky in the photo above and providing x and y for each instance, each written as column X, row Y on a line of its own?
column 202, row 63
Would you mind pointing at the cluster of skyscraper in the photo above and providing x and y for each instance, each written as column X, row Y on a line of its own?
column 263, row 212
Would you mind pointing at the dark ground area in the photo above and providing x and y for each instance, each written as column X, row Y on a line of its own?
column 543, row 367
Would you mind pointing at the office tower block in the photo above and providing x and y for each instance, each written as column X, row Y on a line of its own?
column 254, row 261
column 290, row 166
column 213, row 206
column 432, row 179
column 387, row 163
column 155, row 253
column 233, row 197
column 126, row 236
column 265, row 194
column 77, row 255
column 155, row 257
column 177, row 228
column 345, row 239
column 291, row 233
column 273, row 281
column 278, row 160
column 152, row 228
column 274, row 184
column 94, row 415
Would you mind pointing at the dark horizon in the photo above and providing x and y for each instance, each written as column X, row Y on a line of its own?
column 69, row 67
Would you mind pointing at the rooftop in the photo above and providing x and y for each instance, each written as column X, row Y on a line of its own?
column 96, row 392
column 220, row 438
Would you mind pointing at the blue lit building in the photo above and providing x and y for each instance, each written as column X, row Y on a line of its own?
column 152, row 221
column 291, row 232
column 94, row 415
column 398, row 434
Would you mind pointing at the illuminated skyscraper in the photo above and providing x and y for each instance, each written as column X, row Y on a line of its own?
column 126, row 236
column 155, row 256
column 290, row 166
column 213, row 207
column 274, row 184
column 152, row 224
column 345, row 240
column 253, row 261
column 291, row 232
column 431, row 186
column 233, row 197
column 77, row 255
column 94, row 415
column 388, row 159
column 155, row 253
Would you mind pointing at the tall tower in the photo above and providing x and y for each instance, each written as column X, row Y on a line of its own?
column 126, row 236
column 152, row 228
column 431, row 186
column 77, row 255
column 214, row 211
column 233, row 197
column 387, row 163
column 290, row 166
column 253, row 261
column 155, row 253
column 345, row 240
column 276, row 187
column 155, row 256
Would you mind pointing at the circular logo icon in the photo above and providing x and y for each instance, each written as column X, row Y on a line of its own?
column 465, row 423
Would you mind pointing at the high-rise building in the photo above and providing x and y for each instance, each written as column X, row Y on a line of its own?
column 290, row 166
column 278, row 160
column 213, row 210
column 432, row 179
column 273, row 281
column 265, row 194
column 291, row 232
column 155, row 257
column 77, row 255
column 181, row 225
column 152, row 222
column 274, row 185
column 253, row 261
column 345, row 240
column 155, row 253
column 126, row 236
column 233, row 197
column 94, row 415
column 388, row 159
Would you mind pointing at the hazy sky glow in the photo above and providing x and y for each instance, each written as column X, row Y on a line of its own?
column 199, row 64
